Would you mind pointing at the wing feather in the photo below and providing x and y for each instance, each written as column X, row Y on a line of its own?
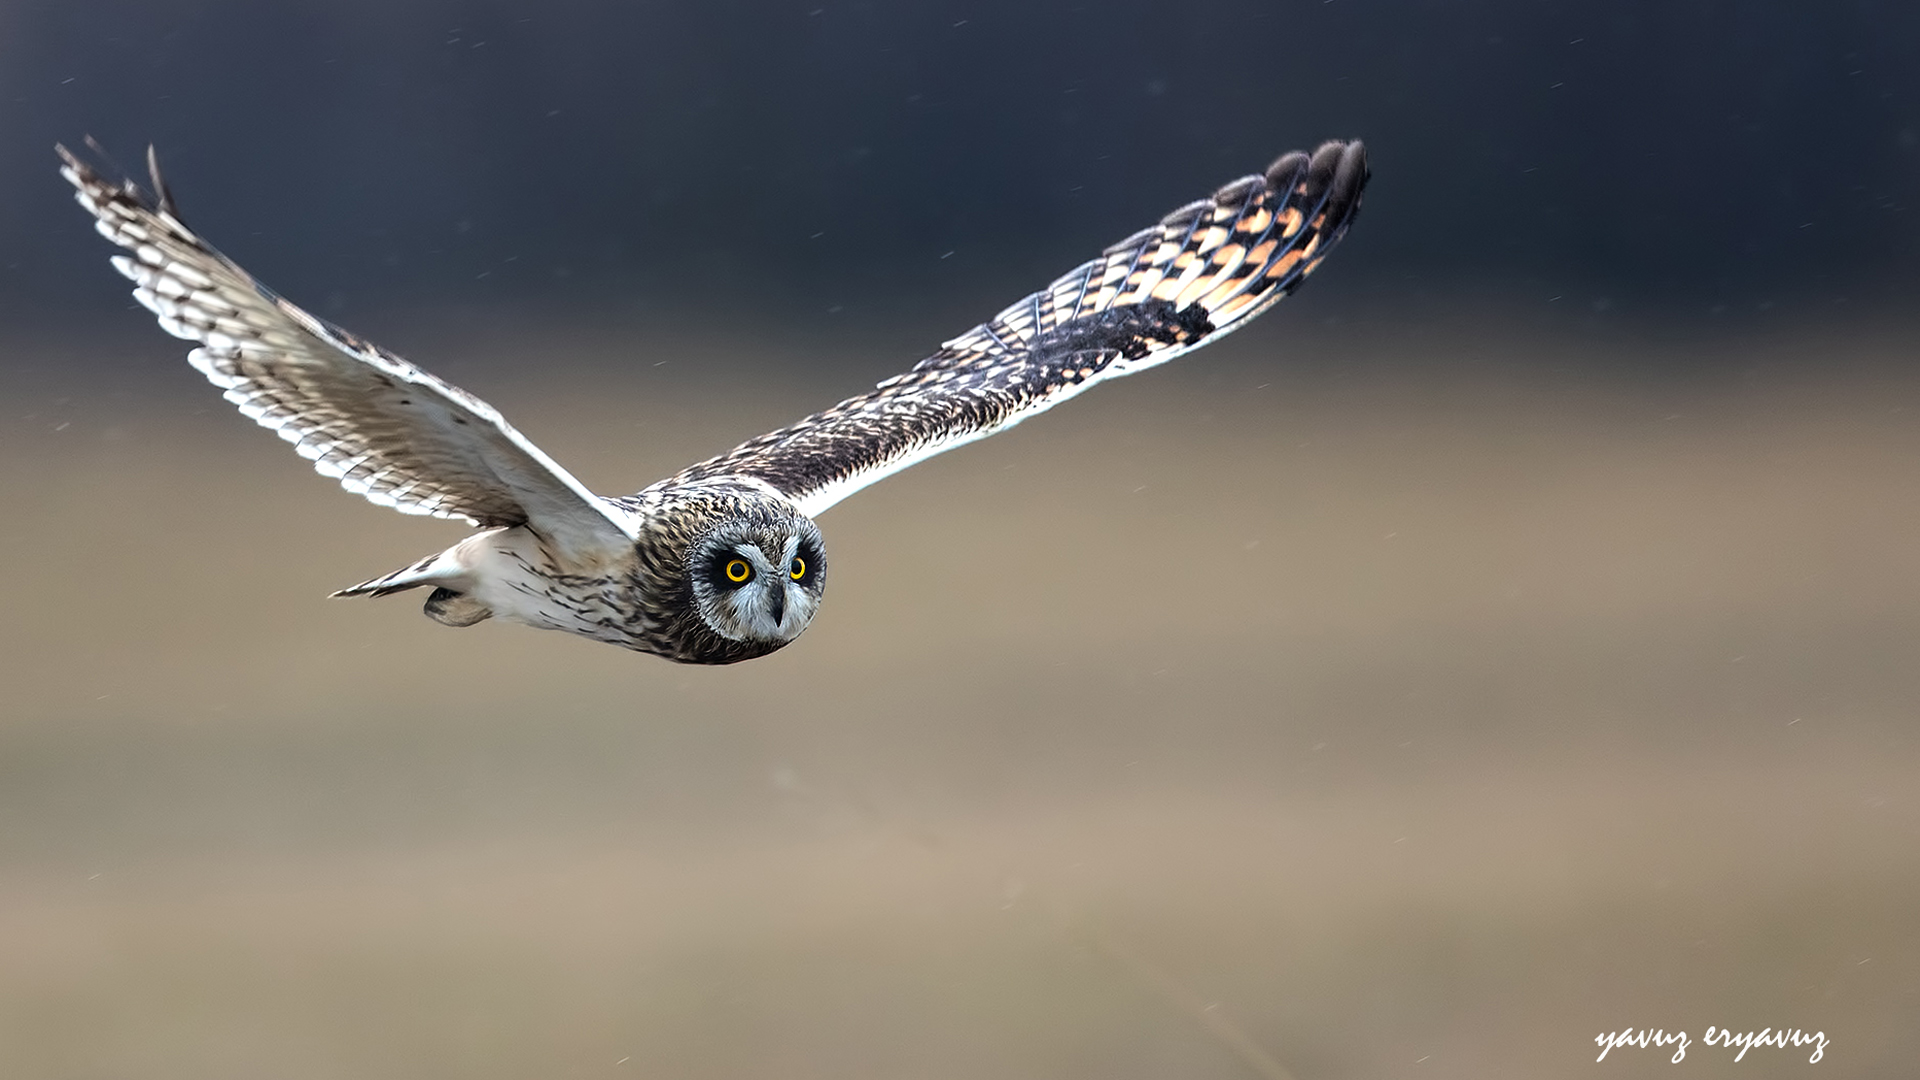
column 385, row 429
column 1205, row 270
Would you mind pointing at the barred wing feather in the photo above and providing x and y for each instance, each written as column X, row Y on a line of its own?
column 1205, row 270
column 384, row 428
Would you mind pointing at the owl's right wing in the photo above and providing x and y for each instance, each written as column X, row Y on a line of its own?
column 384, row 428
column 1205, row 270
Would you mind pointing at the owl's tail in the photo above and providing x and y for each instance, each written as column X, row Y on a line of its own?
column 449, row 575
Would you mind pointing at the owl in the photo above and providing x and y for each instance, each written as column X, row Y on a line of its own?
column 722, row 562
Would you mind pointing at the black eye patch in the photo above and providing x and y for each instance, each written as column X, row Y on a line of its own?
column 805, row 566
column 729, row 570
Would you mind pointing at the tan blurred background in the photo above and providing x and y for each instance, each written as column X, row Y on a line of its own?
column 1340, row 703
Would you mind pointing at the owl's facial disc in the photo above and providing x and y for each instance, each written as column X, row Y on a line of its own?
column 758, row 584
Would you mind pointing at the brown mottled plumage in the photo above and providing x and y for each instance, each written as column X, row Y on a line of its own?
column 722, row 562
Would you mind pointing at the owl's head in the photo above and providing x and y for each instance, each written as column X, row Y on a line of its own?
column 757, row 578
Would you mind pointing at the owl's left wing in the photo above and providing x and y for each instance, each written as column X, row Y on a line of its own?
column 1204, row 270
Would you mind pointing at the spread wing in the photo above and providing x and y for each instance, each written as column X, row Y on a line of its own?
column 384, row 428
column 1206, row 269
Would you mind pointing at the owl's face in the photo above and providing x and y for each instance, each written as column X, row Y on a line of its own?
column 758, row 580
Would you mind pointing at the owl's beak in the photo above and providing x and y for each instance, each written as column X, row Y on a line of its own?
column 779, row 605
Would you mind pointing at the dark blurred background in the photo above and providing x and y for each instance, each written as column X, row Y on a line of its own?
column 1685, row 160
column 1511, row 638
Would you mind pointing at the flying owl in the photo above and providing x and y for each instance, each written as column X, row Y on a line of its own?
column 722, row 562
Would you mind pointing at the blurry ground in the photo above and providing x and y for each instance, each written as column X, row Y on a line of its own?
column 1412, row 706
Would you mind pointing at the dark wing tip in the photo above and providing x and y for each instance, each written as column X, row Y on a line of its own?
column 1286, row 169
column 90, row 179
column 1336, row 166
column 78, row 169
column 1330, row 177
column 1237, row 192
column 1320, row 168
column 160, row 191
column 1348, row 179
column 87, row 177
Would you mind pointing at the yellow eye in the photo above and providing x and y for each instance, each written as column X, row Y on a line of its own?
column 799, row 568
column 738, row 571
